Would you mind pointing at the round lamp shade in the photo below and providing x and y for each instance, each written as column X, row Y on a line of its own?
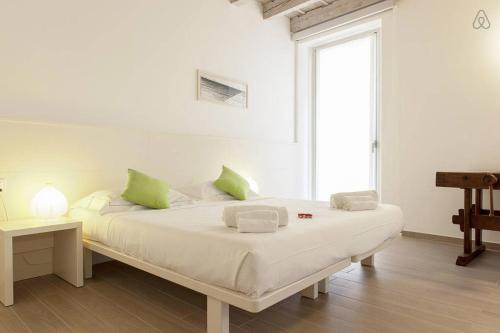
column 254, row 186
column 49, row 203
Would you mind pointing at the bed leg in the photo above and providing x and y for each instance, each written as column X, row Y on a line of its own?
column 311, row 292
column 87, row 263
column 324, row 285
column 217, row 316
column 369, row 261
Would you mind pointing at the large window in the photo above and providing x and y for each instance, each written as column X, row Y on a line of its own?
column 345, row 116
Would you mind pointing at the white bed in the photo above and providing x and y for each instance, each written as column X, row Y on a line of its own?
column 193, row 242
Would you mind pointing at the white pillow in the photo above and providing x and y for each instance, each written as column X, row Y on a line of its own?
column 108, row 209
column 106, row 202
column 208, row 192
column 205, row 191
column 177, row 199
column 99, row 199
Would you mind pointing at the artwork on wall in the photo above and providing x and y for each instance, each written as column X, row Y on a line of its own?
column 222, row 90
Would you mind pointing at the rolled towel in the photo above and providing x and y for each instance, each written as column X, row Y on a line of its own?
column 360, row 205
column 351, row 198
column 338, row 200
column 229, row 214
column 261, row 221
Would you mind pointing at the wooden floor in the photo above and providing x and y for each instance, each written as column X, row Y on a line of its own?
column 415, row 287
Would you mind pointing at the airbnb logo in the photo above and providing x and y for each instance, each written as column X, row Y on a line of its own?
column 481, row 21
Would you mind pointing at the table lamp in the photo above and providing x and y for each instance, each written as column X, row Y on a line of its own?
column 49, row 203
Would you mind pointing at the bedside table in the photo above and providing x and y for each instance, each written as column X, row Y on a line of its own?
column 67, row 251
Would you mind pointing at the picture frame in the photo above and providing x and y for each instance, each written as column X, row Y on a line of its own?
column 217, row 89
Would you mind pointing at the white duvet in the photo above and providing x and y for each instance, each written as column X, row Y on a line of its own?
column 192, row 240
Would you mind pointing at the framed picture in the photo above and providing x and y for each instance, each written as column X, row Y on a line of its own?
column 221, row 90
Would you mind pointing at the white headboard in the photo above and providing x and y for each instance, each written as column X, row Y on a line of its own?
column 80, row 159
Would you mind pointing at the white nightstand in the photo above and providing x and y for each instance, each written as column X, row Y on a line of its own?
column 67, row 255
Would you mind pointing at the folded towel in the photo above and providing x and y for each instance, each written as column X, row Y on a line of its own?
column 266, row 215
column 351, row 198
column 338, row 200
column 229, row 214
column 257, row 221
column 360, row 205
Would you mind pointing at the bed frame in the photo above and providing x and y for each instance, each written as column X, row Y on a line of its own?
column 219, row 299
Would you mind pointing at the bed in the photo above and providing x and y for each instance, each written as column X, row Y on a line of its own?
column 191, row 246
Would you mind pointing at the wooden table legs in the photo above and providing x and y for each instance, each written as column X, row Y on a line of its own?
column 471, row 252
column 473, row 218
column 477, row 211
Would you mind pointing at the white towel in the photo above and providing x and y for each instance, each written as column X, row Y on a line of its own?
column 266, row 215
column 261, row 221
column 360, row 205
column 338, row 200
column 229, row 214
column 351, row 198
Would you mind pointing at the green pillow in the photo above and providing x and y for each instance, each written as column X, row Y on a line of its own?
column 146, row 191
column 232, row 183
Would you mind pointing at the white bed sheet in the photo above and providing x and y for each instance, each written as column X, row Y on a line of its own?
column 193, row 241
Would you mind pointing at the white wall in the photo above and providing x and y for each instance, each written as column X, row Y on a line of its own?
column 90, row 88
column 133, row 64
column 449, row 105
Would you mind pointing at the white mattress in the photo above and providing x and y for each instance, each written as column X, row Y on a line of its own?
column 193, row 241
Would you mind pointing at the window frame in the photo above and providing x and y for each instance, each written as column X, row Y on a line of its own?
column 375, row 113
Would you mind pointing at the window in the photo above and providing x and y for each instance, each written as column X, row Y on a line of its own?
column 345, row 116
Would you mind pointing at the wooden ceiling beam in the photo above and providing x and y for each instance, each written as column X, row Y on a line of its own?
column 323, row 14
column 239, row 2
column 284, row 7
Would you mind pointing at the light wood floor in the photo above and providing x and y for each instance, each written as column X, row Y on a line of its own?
column 415, row 287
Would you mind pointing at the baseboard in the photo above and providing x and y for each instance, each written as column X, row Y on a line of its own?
column 446, row 239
